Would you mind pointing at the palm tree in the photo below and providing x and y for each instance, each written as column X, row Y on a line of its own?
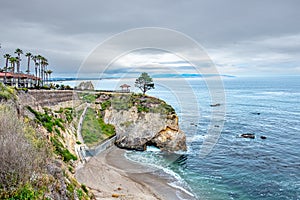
column 36, row 64
column 28, row 55
column 39, row 58
column 13, row 61
column 49, row 72
column 43, row 65
column 18, row 52
column 6, row 56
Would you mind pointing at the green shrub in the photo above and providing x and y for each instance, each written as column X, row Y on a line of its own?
column 7, row 92
column 25, row 192
column 105, row 105
column 62, row 151
column 79, row 193
column 121, row 102
column 84, row 188
column 90, row 98
column 70, row 189
column 57, row 131
column 142, row 108
column 48, row 126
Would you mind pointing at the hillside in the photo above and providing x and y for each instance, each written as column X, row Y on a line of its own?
column 37, row 150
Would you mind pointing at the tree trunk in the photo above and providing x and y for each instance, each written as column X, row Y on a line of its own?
column 5, row 71
column 28, row 64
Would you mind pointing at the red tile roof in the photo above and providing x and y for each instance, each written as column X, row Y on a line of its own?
column 14, row 75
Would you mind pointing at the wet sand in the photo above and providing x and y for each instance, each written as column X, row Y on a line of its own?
column 112, row 176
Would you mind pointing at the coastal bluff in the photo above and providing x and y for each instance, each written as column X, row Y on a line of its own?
column 142, row 121
column 139, row 121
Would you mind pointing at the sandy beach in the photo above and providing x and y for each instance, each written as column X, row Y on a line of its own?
column 111, row 176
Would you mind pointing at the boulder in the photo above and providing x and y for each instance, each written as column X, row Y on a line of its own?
column 263, row 137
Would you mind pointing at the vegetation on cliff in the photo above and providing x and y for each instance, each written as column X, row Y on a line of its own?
column 146, row 104
column 23, row 158
column 7, row 93
column 35, row 160
column 94, row 130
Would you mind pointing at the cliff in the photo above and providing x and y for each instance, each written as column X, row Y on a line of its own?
column 38, row 143
column 141, row 121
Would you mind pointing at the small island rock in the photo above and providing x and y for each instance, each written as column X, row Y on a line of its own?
column 248, row 135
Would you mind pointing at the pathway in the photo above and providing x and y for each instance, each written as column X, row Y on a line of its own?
column 81, row 148
column 79, row 127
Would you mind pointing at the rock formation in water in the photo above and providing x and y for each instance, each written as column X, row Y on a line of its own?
column 85, row 86
column 141, row 121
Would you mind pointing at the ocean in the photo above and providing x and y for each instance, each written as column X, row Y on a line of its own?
column 236, row 168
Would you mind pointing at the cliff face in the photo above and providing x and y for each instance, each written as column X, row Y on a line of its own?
column 147, row 121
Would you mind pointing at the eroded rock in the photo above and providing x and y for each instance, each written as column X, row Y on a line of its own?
column 135, row 129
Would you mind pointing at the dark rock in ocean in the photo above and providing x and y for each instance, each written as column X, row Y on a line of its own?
column 263, row 137
column 193, row 124
column 248, row 135
column 215, row 105
column 255, row 113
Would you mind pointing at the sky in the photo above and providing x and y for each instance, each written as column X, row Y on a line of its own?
column 241, row 38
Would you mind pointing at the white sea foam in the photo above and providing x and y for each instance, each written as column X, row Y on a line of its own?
column 278, row 93
column 181, row 188
column 153, row 149
column 179, row 183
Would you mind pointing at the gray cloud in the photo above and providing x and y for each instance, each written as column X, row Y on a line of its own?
column 240, row 36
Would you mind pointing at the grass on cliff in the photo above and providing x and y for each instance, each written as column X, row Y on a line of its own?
column 47, row 120
column 90, row 98
column 7, row 93
column 52, row 123
column 94, row 130
column 144, row 104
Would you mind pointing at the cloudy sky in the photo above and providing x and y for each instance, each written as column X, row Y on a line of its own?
column 249, row 37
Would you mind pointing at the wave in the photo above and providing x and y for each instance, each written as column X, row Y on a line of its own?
column 279, row 93
column 177, row 182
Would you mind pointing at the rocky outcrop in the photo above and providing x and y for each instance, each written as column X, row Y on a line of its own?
column 248, row 135
column 85, row 86
column 136, row 129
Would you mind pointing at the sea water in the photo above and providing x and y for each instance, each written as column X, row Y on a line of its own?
column 238, row 168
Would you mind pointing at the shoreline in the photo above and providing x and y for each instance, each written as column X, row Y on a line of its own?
column 110, row 176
